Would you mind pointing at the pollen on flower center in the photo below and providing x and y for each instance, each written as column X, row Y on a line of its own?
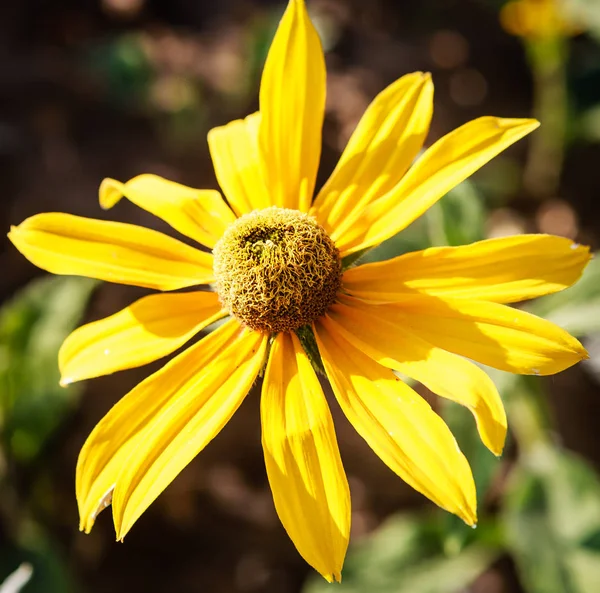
column 276, row 269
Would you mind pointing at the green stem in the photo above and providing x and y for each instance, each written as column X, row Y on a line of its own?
column 529, row 416
column 547, row 59
column 436, row 233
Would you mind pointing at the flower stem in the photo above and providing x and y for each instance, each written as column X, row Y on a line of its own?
column 547, row 58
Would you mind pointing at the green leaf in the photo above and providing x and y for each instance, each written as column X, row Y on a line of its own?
column 406, row 554
column 413, row 238
column 483, row 463
column 33, row 325
column 552, row 522
column 484, row 466
column 576, row 309
column 50, row 573
column 457, row 219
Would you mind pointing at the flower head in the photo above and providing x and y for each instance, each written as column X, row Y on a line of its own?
column 275, row 274
column 276, row 269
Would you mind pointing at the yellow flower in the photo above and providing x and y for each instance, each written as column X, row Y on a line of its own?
column 275, row 271
column 537, row 19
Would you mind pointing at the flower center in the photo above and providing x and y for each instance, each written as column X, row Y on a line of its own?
column 276, row 269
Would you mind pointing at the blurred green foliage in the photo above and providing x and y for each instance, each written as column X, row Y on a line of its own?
column 407, row 554
column 576, row 308
column 551, row 517
column 33, row 324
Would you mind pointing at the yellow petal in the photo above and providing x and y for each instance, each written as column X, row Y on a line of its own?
column 504, row 270
column 367, row 328
column 381, row 149
column 203, row 397
column 147, row 330
column 107, row 450
column 496, row 335
column 201, row 215
column 237, row 160
column 292, row 106
column 112, row 251
column 399, row 425
column 443, row 166
column 303, row 462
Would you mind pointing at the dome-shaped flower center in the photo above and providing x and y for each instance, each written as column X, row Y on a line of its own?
column 276, row 269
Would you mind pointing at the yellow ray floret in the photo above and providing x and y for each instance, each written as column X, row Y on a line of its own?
column 303, row 462
column 399, row 426
column 503, row 270
column 145, row 331
column 112, row 251
column 201, row 215
column 108, row 449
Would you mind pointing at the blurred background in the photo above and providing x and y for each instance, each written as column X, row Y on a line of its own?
column 96, row 88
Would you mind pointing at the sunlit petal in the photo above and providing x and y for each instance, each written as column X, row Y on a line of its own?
column 496, row 335
column 305, row 471
column 399, row 425
column 112, row 251
column 117, row 436
column 237, row 160
column 443, row 166
column 201, row 215
column 448, row 375
column 147, row 330
column 388, row 138
column 292, row 106
column 204, row 394
column 504, row 270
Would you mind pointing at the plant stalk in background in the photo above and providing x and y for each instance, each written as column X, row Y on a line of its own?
column 545, row 29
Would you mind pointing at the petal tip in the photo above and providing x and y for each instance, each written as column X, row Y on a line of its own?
column 333, row 577
column 470, row 518
column 580, row 253
column 534, row 123
column 426, row 82
column 15, row 234
column 468, row 513
column 123, row 529
column 120, row 532
column 496, row 443
column 579, row 350
column 496, row 447
column 86, row 524
column 110, row 192
column 526, row 125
